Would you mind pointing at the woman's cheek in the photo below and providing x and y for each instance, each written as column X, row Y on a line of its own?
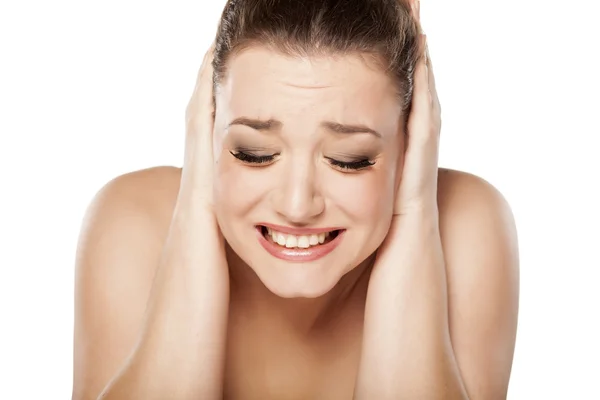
column 239, row 187
column 363, row 195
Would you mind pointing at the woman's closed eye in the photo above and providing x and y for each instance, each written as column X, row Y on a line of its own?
column 249, row 158
column 265, row 159
column 350, row 165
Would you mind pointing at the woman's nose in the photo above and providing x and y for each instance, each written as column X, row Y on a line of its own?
column 298, row 198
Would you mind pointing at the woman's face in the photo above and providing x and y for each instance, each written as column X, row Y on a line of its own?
column 308, row 148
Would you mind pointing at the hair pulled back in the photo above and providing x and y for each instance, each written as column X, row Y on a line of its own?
column 381, row 29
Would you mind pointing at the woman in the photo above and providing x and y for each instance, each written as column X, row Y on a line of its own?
column 309, row 248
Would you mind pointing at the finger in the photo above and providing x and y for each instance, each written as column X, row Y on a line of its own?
column 207, row 59
column 199, row 117
column 203, row 116
column 415, row 8
column 201, row 100
column 432, row 85
column 205, row 82
column 421, row 104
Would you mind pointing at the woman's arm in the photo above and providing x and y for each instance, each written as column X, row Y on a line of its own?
column 442, row 325
column 180, row 352
column 118, row 251
column 480, row 244
column 407, row 352
column 181, row 349
column 430, row 334
column 120, row 248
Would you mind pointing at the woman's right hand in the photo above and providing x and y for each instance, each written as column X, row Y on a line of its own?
column 196, row 189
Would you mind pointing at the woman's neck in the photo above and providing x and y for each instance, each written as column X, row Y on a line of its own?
column 302, row 315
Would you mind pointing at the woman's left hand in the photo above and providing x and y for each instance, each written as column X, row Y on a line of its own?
column 417, row 192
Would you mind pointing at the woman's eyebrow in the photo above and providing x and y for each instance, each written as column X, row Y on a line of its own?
column 343, row 128
column 257, row 124
column 273, row 124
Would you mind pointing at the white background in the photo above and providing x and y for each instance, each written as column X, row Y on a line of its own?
column 91, row 90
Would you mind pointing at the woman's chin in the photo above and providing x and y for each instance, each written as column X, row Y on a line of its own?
column 306, row 280
column 288, row 277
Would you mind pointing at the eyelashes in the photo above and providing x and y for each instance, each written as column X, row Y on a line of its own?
column 264, row 160
column 352, row 165
column 253, row 159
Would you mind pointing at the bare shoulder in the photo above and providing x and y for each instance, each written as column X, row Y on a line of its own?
column 119, row 247
column 150, row 190
column 468, row 201
column 473, row 211
column 457, row 186
column 480, row 245
column 475, row 221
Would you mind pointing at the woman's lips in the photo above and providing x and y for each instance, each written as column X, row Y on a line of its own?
column 299, row 248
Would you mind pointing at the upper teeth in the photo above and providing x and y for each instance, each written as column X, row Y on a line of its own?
column 301, row 241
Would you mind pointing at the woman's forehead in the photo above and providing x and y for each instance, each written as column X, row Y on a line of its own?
column 259, row 77
column 260, row 65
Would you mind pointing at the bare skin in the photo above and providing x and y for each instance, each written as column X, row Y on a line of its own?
column 112, row 299
column 166, row 309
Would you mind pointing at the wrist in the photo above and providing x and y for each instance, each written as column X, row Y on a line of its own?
column 194, row 234
column 413, row 235
column 417, row 220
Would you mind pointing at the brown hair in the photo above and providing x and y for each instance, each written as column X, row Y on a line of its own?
column 382, row 29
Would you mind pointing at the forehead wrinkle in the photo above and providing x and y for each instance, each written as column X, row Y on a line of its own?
column 300, row 86
column 257, row 64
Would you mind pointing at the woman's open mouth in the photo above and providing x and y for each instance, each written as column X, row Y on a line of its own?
column 300, row 248
column 298, row 241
